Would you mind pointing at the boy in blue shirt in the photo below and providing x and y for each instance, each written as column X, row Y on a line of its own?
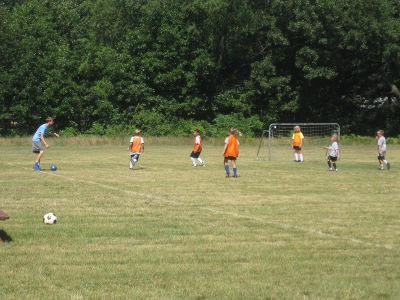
column 37, row 140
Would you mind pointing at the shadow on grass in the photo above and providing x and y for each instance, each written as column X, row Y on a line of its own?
column 5, row 237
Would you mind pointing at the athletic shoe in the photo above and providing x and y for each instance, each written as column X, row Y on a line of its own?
column 388, row 165
column 336, row 170
column 132, row 163
column 194, row 166
column 203, row 163
column 235, row 176
column 227, row 175
column 380, row 169
column 329, row 169
column 36, row 167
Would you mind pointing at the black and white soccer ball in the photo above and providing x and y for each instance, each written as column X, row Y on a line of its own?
column 50, row 218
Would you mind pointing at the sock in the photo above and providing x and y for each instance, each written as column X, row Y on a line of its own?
column 385, row 161
column 381, row 166
column 200, row 160
column 334, row 166
column 329, row 164
column 296, row 156
column 193, row 161
column 301, row 157
column 234, row 171
column 227, row 169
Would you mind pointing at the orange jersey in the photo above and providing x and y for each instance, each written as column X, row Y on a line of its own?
column 297, row 138
column 136, row 144
column 232, row 146
column 197, row 146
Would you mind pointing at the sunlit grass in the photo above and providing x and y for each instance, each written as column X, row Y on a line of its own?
column 167, row 230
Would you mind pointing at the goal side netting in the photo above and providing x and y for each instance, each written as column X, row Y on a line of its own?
column 276, row 142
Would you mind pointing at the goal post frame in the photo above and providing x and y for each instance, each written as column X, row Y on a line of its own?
column 270, row 133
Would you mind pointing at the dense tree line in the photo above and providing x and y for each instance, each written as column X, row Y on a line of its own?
column 169, row 65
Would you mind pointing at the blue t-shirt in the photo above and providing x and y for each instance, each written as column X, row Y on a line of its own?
column 42, row 129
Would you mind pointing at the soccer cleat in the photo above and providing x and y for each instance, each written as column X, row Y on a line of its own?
column 203, row 163
column 194, row 166
column 380, row 169
column 36, row 167
column 388, row 165
column 132, row 163
column 235, row 176
column 227, row 175
column 329, row 169
column 336, row 170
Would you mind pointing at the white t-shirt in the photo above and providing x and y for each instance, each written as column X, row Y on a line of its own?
column 382, row 143
column 334, row 149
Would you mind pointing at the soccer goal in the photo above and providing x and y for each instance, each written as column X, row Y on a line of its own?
column 275, row 143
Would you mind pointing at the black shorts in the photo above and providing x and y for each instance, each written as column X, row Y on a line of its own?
column 296, row 147
column 332, row 158
column 230, row 158
column 195, row 154
column 381, row 157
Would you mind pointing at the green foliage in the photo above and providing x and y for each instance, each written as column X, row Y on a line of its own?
column 248, row 126
column 91, row 64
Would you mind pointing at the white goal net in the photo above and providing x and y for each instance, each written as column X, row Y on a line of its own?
column 276, row 142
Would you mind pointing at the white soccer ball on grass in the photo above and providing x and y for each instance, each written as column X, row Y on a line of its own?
column 50, row 218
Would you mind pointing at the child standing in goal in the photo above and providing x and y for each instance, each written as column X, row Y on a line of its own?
column 297, row 142
column 136, row 148
column 333, row 153
column 197, row 147
column 231, row 151
column 382, row 150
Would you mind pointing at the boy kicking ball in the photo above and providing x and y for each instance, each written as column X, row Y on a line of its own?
column 38, row 139
column 382, row 150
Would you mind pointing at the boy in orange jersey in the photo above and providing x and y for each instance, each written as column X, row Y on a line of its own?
column 297, row 142
column 231, row 151
column 197, row 147
column 136, row 148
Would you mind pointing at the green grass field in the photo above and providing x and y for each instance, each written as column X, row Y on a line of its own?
column 165, row 230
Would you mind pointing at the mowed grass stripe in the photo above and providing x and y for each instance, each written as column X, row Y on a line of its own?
column 285, row 226
column 216, row 240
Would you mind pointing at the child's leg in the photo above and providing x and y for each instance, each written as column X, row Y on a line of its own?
column 329, row 164
column 234, row 168
column 193, row 161
column 296, row 155
column 201, row 161
column 381, row 164
column 226, row 166
column 300, row 155
column 39, row 156
column 334, row 166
